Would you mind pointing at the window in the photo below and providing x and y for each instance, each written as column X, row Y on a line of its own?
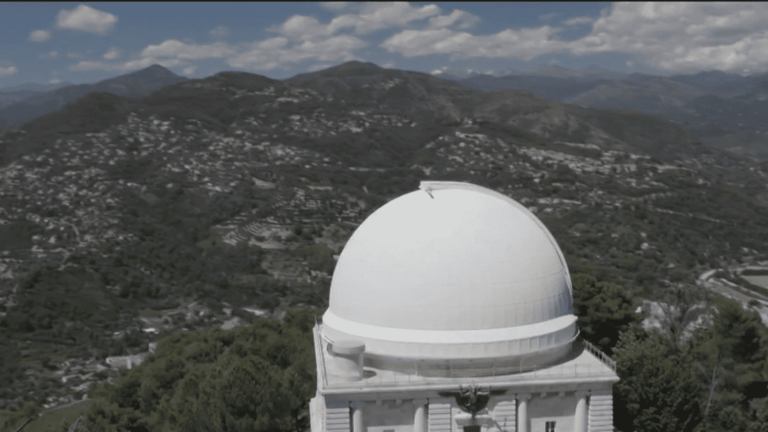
column 549, row 427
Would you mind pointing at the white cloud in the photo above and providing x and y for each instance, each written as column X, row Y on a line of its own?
column 39, row 35
column 181, row 50
column 461, row 19
column 74, row 55
column 189, row 70
column 124, row 66
column 219, row 32
column 10, row 70
column 683, row 36
column 439, row 71
column 87, row 19
column 377, row 16
column 578, row 21
column 262, row 55
column 54, row 81
column 319, row 66
column 112, row 54
column 49, row 55
column 331, row 49
column 678, row 37
column 303, row 27
column 369, row 17
column 275, row 52
column 525, row 43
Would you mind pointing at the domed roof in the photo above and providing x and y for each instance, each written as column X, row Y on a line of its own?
column 452, row 265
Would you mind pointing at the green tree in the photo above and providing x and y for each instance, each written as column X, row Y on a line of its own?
column 256, row 378
column 605, row 310
column 738, row 331
column 731, row 361
column 110, row 417
column 658, row 390
column 27, row 411
column 679, row 309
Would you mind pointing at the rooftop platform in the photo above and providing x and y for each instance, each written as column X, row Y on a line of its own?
column 583, row 364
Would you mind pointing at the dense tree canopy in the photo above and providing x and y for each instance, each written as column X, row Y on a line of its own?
column 605, row 310
column 256, row 378
column 731, row 359
column 716, row 381
column 658, row 390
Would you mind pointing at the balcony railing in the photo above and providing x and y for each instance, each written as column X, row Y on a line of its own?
column 600, row 355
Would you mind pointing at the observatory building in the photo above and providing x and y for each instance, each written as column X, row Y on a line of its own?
column 451, row 311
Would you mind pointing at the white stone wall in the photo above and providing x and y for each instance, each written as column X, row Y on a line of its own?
column 552, row 407
column 443, row 415
column 388, row 416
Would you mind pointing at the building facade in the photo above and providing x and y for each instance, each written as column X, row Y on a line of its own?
column 451, row 310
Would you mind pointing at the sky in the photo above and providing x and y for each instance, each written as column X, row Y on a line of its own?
column 86, row 42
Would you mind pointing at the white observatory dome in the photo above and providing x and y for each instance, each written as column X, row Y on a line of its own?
column 449, row 272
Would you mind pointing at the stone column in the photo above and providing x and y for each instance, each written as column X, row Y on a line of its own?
column 522, row 412
column 580, row 417
column 357, row 416
column 420, row 415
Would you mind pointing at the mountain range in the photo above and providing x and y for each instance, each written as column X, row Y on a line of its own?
column 27, row 102
column 14, row 94
column 551, row 71
column 127, row 218
column 425, row 98
column 722, row 110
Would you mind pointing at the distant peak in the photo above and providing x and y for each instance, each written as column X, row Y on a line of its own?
column 359, row 63
column 155, row 71
column 158, row 68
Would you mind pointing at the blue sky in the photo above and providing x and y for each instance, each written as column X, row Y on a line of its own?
column 87, row 42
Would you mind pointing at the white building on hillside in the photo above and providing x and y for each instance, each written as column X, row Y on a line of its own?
column 451, row 310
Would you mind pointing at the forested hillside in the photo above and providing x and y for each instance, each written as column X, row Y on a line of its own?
column 212, row 203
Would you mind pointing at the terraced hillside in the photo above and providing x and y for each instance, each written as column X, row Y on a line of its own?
column 230, row 196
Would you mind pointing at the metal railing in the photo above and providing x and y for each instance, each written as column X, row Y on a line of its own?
column 600, row 355
column 389, row 378
column 319, row 352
